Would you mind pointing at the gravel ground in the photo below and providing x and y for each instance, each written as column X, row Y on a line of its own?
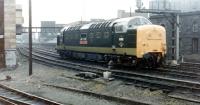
column 66, row 78
column 192, row 58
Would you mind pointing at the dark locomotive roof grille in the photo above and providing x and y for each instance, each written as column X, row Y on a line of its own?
column 101, row 24
column 105, row 24
column 72, row 28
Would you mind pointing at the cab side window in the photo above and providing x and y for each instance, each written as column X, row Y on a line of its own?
column 135, row 22
column 83, row 36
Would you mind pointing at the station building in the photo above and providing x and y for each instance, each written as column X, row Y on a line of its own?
column 189, row 33
column 7, row 33
column 189, row 26
column 183, row 5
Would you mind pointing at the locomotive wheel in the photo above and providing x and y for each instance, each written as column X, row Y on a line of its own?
column 62, row 56
column 139, row 64
column 110, row 64
column 149, row 61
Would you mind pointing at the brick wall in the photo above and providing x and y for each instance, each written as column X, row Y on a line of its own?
column 10, row 32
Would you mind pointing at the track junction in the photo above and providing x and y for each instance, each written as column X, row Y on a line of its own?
column 178, row 82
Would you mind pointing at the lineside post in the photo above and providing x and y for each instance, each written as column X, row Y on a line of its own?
column 177, row 37
column 30, row 38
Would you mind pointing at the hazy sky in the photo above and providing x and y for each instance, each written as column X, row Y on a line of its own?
column 66, row 11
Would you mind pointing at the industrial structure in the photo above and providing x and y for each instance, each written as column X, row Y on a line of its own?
column 188, row 38
column 7, row 33
column 183, row 5
column 189, row 33
column 49, row 30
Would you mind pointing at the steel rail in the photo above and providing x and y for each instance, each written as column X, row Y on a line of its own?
column 15, row 96
column 155, row 81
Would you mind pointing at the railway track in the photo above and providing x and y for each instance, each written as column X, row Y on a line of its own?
column 125, row 101
column 101, row 96
column 10, row 96
column 183, row 71
column 161, row 71
column 151, row 80
column 185, row 68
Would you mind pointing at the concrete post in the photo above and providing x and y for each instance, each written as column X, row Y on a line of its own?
column 177, row 37
column 30, row 38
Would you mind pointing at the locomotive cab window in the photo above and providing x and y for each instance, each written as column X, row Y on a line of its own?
column 134, row 23
column 83, row 36
column 144, row 21
column 119, row 29
column 137, row 22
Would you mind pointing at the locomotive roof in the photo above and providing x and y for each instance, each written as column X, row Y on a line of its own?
column 65, row 28
column 124, row 24
column 97, row 24
column 127, row 20
column 127, row 23
column 86, row 26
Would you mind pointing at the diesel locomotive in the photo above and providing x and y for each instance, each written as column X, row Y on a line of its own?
column 132, row 41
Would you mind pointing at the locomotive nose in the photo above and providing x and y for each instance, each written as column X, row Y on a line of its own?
column 151, row 38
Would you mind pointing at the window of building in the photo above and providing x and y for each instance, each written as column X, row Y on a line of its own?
column 173, row 50
column 173, row 42
column 195, row 45
column 180, row 43
column 195, row 27
column 173, row 33
column 173, row 57
column 180, row 27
